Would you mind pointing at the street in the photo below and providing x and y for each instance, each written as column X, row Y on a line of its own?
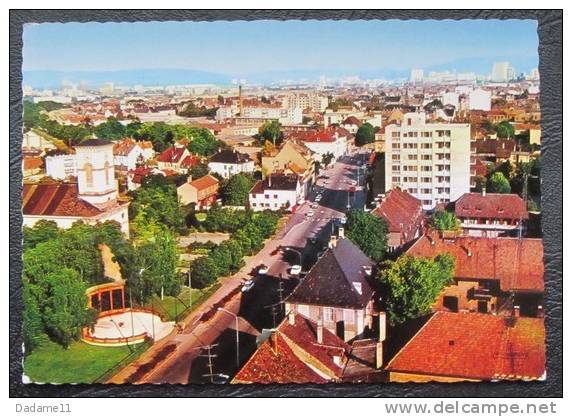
column 189, row 358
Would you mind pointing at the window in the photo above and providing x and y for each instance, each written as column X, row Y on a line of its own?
column 267, row 196
column 395, row 168
column 349, row 316
column 412, row 157
column 328, row 315
column 395, row 157
column 395, row 179
column 275, row 196
column 88, row 168
column 395, row 145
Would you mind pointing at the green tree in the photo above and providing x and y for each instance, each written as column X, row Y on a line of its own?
column 444, row 220
column 270, row 131
column 365, row 134
column 203, row 142
column 204, row 272
column 112, row 129
column 33, row 326
column 199, row 171
column 42, row 231
column 498, row 183
column 65, row 312
column 368, row 232
column 411, row 285
column 235, row 190
column 505, row 130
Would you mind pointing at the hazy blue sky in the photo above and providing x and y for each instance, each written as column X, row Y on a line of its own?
column 236, row 48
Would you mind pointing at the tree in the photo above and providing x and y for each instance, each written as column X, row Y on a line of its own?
column 444, row 220
column 365, row 134
column 112, row 129
column 235, row 190
column 498, row 183
column 411, row 285
column 65, row 312
column 368, row 232
column 42, row 231
column 199, row 171
column 504, row 130
column 32, row 326
column 327, row 158
column 204, row 272
column 203, row 142
column 270, row 131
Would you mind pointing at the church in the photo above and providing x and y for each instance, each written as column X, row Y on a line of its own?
column 92, row 198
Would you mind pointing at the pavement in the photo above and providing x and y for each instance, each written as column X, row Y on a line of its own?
column 260, row 307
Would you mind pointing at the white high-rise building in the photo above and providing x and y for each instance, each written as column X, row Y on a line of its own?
column 416, row 75
column 502, row 72
column 429, row 160
column 96, row 172
column 306, row 100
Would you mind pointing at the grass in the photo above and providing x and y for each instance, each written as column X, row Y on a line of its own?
column 171, row 307
column 81, row 363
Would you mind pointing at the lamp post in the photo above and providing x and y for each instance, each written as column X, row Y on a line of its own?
column 237, row 335
column 190, row 289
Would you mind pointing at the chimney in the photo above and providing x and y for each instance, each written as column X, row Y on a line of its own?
column 270, row 179
column 291, row 318
column 341, row 233
column 320, row 332
column 484, row 191
column 381, row 338
column 190, row 178
column 540, row 312
column 516, row 312
column 333, row 241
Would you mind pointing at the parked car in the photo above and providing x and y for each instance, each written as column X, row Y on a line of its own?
column 296, row 269
column 310, row 214
column 247, row 285
column 318, row 198
column 314, row 205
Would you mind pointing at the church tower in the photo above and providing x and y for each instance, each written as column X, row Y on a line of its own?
column 95, row 172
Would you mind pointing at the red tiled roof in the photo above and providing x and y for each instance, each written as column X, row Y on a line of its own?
column 204, row 182
column 55, row 200
column 516, row 263
column 32, row 163
column 190, row 161
column 324, row 135
column 283, row 357
column 402, row 212
column 491, row 206
column 139, row 174
column 124, row 147
column 475, row 346
column 352, row 120
column 172, row 154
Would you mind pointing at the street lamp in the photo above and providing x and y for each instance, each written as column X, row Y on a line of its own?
column 298, row 252
column 237, row 335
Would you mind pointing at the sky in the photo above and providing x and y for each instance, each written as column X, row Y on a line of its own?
column 242, row 48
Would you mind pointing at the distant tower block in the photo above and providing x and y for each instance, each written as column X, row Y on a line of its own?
column 95, row 172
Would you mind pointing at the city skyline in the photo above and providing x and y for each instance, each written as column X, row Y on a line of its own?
column 296, row 50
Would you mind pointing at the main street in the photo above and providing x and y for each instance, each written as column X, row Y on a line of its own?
column 260, row 307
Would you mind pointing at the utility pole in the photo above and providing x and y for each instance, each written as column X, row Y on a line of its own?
column 190, row 289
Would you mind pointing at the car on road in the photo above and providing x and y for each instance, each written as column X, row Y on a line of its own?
column 296, row 269
column 247, row 285
column 318, row 198
column 262, row 269
column 310, row 214
column 314, row 205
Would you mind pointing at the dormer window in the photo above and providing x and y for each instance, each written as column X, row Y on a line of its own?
column 357, row 286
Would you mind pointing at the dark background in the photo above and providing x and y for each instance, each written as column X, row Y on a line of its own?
column 550, row 55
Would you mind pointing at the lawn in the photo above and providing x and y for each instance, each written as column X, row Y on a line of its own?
column 170, row 307
column 81, row 363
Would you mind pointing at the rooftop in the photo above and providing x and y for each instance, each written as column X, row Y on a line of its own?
column 493, row 206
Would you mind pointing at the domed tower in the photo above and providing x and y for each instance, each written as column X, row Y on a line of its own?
column 95, row 172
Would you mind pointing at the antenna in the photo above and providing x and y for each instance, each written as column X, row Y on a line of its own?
column 210, row 357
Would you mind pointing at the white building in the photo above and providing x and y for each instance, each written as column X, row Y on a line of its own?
column 480, row 100
column 416, row 76
column 285, row 115
column 228, row 163
column 92, row 199
column 275, row 192
column 35, row 140
column 502, row 72
column 451, row 98
column 60, row 167
column 429, row 160
column 334, row 141
column 306, row 100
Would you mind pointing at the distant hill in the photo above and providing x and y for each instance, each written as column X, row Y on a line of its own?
column 146, row 77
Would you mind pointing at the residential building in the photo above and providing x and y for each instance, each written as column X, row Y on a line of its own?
column 60, row 167
column 491, row 215
column 275, row 192
column 126, row 155
column 227, row 163
column 202, row 192
column 334, row 140
column 416, row 75
column 404, row 216
column 336, row 290
column 172, row 158
column 306, row 100
column 491, row 274
column 93, row 198
column 291, row 158
column 429, row 160
column 480, row 100
column 455, row 347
